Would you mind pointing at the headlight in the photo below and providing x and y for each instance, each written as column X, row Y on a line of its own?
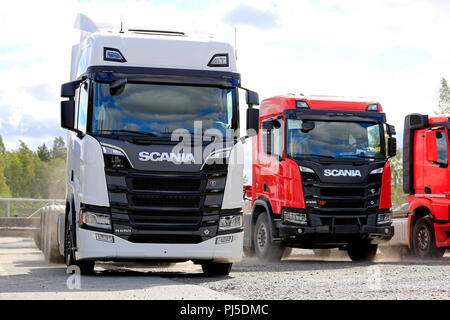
column 97, row 220
column 306, row 169
column 375, row 171
column 384, row 218
column 230, row 222
column 295, row 217
column 114, row 158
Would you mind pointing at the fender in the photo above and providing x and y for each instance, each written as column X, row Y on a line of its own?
column 265, row 203
column 418, row 208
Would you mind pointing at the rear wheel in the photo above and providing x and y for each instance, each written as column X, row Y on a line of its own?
column 265, row 249
column 50, row 243
column 86, row 267
column 362, row 251
column 216, row 269
column 424, row 240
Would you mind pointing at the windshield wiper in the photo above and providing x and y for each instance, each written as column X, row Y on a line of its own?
column 365, row 157
column 316, row 155
column 130, row 131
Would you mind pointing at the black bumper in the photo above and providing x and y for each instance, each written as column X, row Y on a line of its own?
column 333, row 234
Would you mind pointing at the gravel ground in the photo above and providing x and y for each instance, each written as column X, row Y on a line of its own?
column 25, row 275
column 303, row 276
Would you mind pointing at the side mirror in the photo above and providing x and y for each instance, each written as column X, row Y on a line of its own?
column 391, row 130
column 252, row 122
column 68, row 89
column 248, row 191
column 68, row 115
column 392, row 147
column 252, row 98
column 431, row 146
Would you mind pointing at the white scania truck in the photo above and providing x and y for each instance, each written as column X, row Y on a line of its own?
column 153, row 173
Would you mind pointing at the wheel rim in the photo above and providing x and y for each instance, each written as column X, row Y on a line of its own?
column 423, row 238
column 261, row 237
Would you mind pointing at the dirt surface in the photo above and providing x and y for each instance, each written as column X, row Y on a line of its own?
column 25, row 275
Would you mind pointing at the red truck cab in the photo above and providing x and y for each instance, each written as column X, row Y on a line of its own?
column 320, row 177
column 426, row 178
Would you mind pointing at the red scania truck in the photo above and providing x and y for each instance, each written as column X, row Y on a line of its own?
column 321, row 177
column 426, row 175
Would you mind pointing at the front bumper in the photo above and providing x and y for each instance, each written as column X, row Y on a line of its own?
column 334, row 234
column 91, row 249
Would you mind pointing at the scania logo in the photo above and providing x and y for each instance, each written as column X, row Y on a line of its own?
column 164, row 156
column 341, row 173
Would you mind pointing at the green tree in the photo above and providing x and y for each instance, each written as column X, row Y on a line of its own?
column 20, row 171
column 444, row 98
column 4, row 190
column 397, row 195
column 44, row 153
column 59, row 149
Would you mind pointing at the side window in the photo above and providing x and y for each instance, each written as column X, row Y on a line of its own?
column 442, row 152
column 278, row 138
column 272, row 137
column 83, row 106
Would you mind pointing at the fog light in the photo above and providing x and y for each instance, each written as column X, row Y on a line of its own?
column 103, row 237
column 300, row 230
column 225, row 239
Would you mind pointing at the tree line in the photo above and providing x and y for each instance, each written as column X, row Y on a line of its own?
column 28, row 174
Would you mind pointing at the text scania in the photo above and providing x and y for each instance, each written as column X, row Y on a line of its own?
column 164, row 156
column 342, row 173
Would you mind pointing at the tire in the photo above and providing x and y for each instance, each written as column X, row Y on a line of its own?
column 362, row 251
column 322, row 253
column 86, row 267
column 216, row 269
column 50, row 243
column 265, row 249
column 424, row 240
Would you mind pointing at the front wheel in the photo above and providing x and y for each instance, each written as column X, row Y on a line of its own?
column 86, row 267
column 216, row 269
column 362, row 251
column 265, row 249
column 424, row 241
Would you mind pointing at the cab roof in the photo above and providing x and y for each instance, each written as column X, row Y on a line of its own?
column 439, row 118
column 276, row 105
column 152, row 49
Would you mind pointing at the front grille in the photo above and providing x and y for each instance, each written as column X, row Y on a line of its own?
column 343, row 204
column 164, row 238
column 342, row 192
column 166, row 201
column 165, row 184
column 339, row 198
column 160, row 207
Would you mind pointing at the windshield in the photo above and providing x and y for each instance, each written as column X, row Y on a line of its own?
column 161, row 109
column 332, row 139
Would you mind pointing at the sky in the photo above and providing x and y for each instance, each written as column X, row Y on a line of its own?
column 394, row 52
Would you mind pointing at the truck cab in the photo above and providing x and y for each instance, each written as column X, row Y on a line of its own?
column 426, row 177
column 321, row 177
column 154, row 163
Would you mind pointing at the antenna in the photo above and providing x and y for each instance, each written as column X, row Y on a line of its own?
column 121, row 24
